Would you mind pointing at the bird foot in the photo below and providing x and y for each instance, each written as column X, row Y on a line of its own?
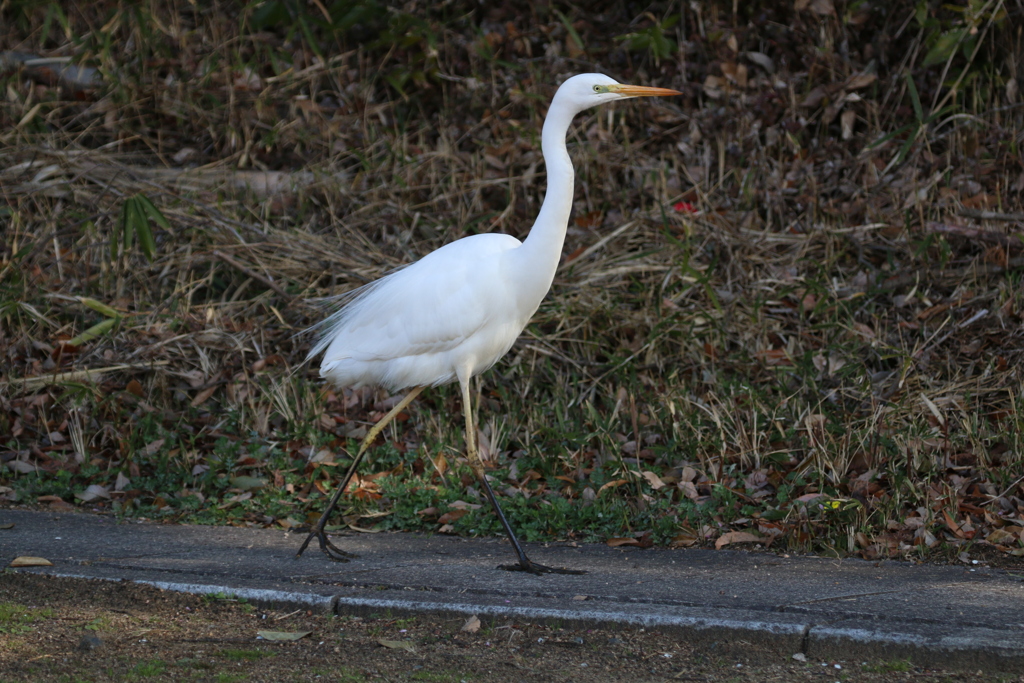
column 332, row 551
column 538, row 569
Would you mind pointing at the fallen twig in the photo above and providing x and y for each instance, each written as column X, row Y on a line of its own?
column 992, row 215
column 252, row 273
column 953, row 274
column 1014, row 241
column 83, row 375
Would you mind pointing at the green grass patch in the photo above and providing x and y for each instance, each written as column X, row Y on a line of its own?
column 100, row 623
column 15, row 618
column 894, row 666
column 224, row 677
column 243, row 655
column 440, row 676
column 147, row 669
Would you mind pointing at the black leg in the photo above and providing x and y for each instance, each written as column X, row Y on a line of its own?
column 525, row 564
column 318, row 532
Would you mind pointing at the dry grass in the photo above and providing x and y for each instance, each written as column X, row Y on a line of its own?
column 776, row 313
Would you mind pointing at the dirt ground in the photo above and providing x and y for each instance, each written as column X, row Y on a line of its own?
column 79, row 630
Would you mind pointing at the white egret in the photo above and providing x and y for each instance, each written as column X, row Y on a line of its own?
column 455, row 312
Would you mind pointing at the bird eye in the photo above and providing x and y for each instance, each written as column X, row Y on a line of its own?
column 597, row 88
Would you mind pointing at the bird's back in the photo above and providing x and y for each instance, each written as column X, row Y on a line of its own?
column 417, row 326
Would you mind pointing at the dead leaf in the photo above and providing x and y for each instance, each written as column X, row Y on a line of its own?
column 815, row 97
column 233, row 500
column 591, row 219
column 28, row 561
column 56, row 503
column 859, row 81
column 134, row 387
column 735, row 73
column 282, row 636
column 762, row 60
column 92, row 493
column 689, row 490
column 654, row 480
column 472, row 625
column 713, row 87
column 925, row 537
column 684, row 539
column 612, row 484
column 397, row 645
column 736, row 537
column 616, row 542
column 823, row 7
column 864, row 330
column 454, row 515
column 8, row 525
column 773, row 357
column 1001, row 537
column 21, row 466
column 324, row 455
column 847, row 120
column 203, row 396
column 153, row 447
column 809, row 497
column 933, row 409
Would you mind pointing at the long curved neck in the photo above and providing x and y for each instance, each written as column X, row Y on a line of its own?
column 537, row 259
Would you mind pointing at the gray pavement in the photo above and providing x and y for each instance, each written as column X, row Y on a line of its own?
column 964, row 617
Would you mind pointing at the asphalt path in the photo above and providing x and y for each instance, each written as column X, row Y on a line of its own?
column 966, row 617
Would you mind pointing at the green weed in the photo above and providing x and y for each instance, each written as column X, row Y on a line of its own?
column 15, row 618
column 895, row 666
column 148, row 669
column 224, row 677
column 100, row 623
column 440, row 676
column 243, row 655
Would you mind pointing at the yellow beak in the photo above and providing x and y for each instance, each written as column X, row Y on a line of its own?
column 641, row 91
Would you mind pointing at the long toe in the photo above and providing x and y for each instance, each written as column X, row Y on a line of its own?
column 538, row 569
column 334, row 552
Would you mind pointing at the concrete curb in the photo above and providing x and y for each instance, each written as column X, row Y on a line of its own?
column 974, row 649
column 958, row 617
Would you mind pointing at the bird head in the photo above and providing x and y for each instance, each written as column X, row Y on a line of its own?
column 589, row 90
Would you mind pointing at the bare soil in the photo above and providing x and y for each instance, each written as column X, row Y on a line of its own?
column 81, row 630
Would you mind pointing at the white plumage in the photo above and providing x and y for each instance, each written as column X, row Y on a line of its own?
column 444, row 311
column 455, row 312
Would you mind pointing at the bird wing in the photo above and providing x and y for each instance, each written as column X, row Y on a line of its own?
column 428, row 307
